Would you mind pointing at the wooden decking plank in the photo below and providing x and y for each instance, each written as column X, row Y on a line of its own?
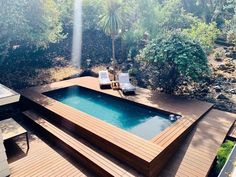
column 43, row 163
column 164, row 141
column 121, row 134
column 40, row 161
column 97, row 158
column 202, row 143
column 99, row 128
column 145, row 150
column 181, row 125
column 64, row 170
column 26, row 161
column 93, row 84
column 232, row 133
column 74, row 143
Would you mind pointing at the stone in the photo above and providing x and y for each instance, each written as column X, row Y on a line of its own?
column 217, row 88
column 221, row 97
column 233, row 54
column 185, row 83
column 205, row 90
column 233, row 80
column 218, row 59
column 232, row 91
column 231, row 48
column 222, row 67
column 228, row 54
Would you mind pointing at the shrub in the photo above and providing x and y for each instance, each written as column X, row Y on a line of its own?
column 230, row 30
column 133, row 71
column 168, row 61
column 205, row 34
column 222, row 154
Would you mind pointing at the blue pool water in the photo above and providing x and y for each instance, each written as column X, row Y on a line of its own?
column 140, row 120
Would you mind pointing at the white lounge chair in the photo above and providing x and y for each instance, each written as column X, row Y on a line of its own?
column 125, row 84
column 104, row 80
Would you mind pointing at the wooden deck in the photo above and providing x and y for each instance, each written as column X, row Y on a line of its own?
column 197, row 153
column 84, row 153
column 187, row 148
column 144, row 156
column 41, row 160
column 232, row 133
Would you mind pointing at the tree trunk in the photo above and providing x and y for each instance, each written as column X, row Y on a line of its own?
column 113, row 48
column 113, row 56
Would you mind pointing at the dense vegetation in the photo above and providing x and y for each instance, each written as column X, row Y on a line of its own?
column 223, row 154
column 169, row 61
column 167, row 36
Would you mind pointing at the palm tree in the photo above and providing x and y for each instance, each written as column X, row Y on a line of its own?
column 111, row 23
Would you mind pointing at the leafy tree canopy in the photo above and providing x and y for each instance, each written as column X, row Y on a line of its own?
column 170, row 60
column 205, row 34
column 35, row 22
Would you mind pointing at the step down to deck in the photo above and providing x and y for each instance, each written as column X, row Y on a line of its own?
column 232, row 132
column 95, row 160
column 197, row 153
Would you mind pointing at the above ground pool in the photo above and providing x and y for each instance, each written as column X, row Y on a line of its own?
column 143, row 121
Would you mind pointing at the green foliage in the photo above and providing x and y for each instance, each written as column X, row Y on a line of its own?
column 222, row 155
column 209, row 10
column 155, row 18
column 168, row 60
column 230, row 28
column 133, row 71
column 66, row 9
column 39, row 23
column 35, row 22
column 111, row 21
column 111, row 18
column 205, row 34
column 92, row 11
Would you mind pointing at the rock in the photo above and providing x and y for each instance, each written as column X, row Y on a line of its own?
column 205, row 90
column 218, row 59
column 217, row 88
column 228, row 54
column 185, row 83
column 233, row 54
column 233, row 80
column 221, row 97
column 222, row 67
column 232, row 91
column 227, row 67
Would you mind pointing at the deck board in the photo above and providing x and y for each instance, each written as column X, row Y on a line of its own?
column 196, row 155
column 42, row 160
column 94, row 155
column 232, row 133
column 150, row 152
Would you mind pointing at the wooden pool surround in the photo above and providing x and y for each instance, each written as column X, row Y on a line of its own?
column 147, row 157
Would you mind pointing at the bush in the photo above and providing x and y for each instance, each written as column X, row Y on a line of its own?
column 222, row 155
column 230, row 30
column 205, row 34
column 168, row 61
